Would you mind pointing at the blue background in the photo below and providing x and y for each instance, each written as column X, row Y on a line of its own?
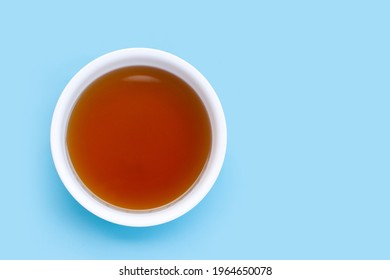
column 305, row 86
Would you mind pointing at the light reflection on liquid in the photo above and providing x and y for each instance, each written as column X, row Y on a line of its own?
column 142, row 79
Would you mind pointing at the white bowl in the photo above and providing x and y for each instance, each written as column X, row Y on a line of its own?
column 133, row 57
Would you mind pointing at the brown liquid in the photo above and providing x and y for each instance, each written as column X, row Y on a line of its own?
column 139, row 137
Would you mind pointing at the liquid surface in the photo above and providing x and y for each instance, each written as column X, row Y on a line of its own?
column 139, row 137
